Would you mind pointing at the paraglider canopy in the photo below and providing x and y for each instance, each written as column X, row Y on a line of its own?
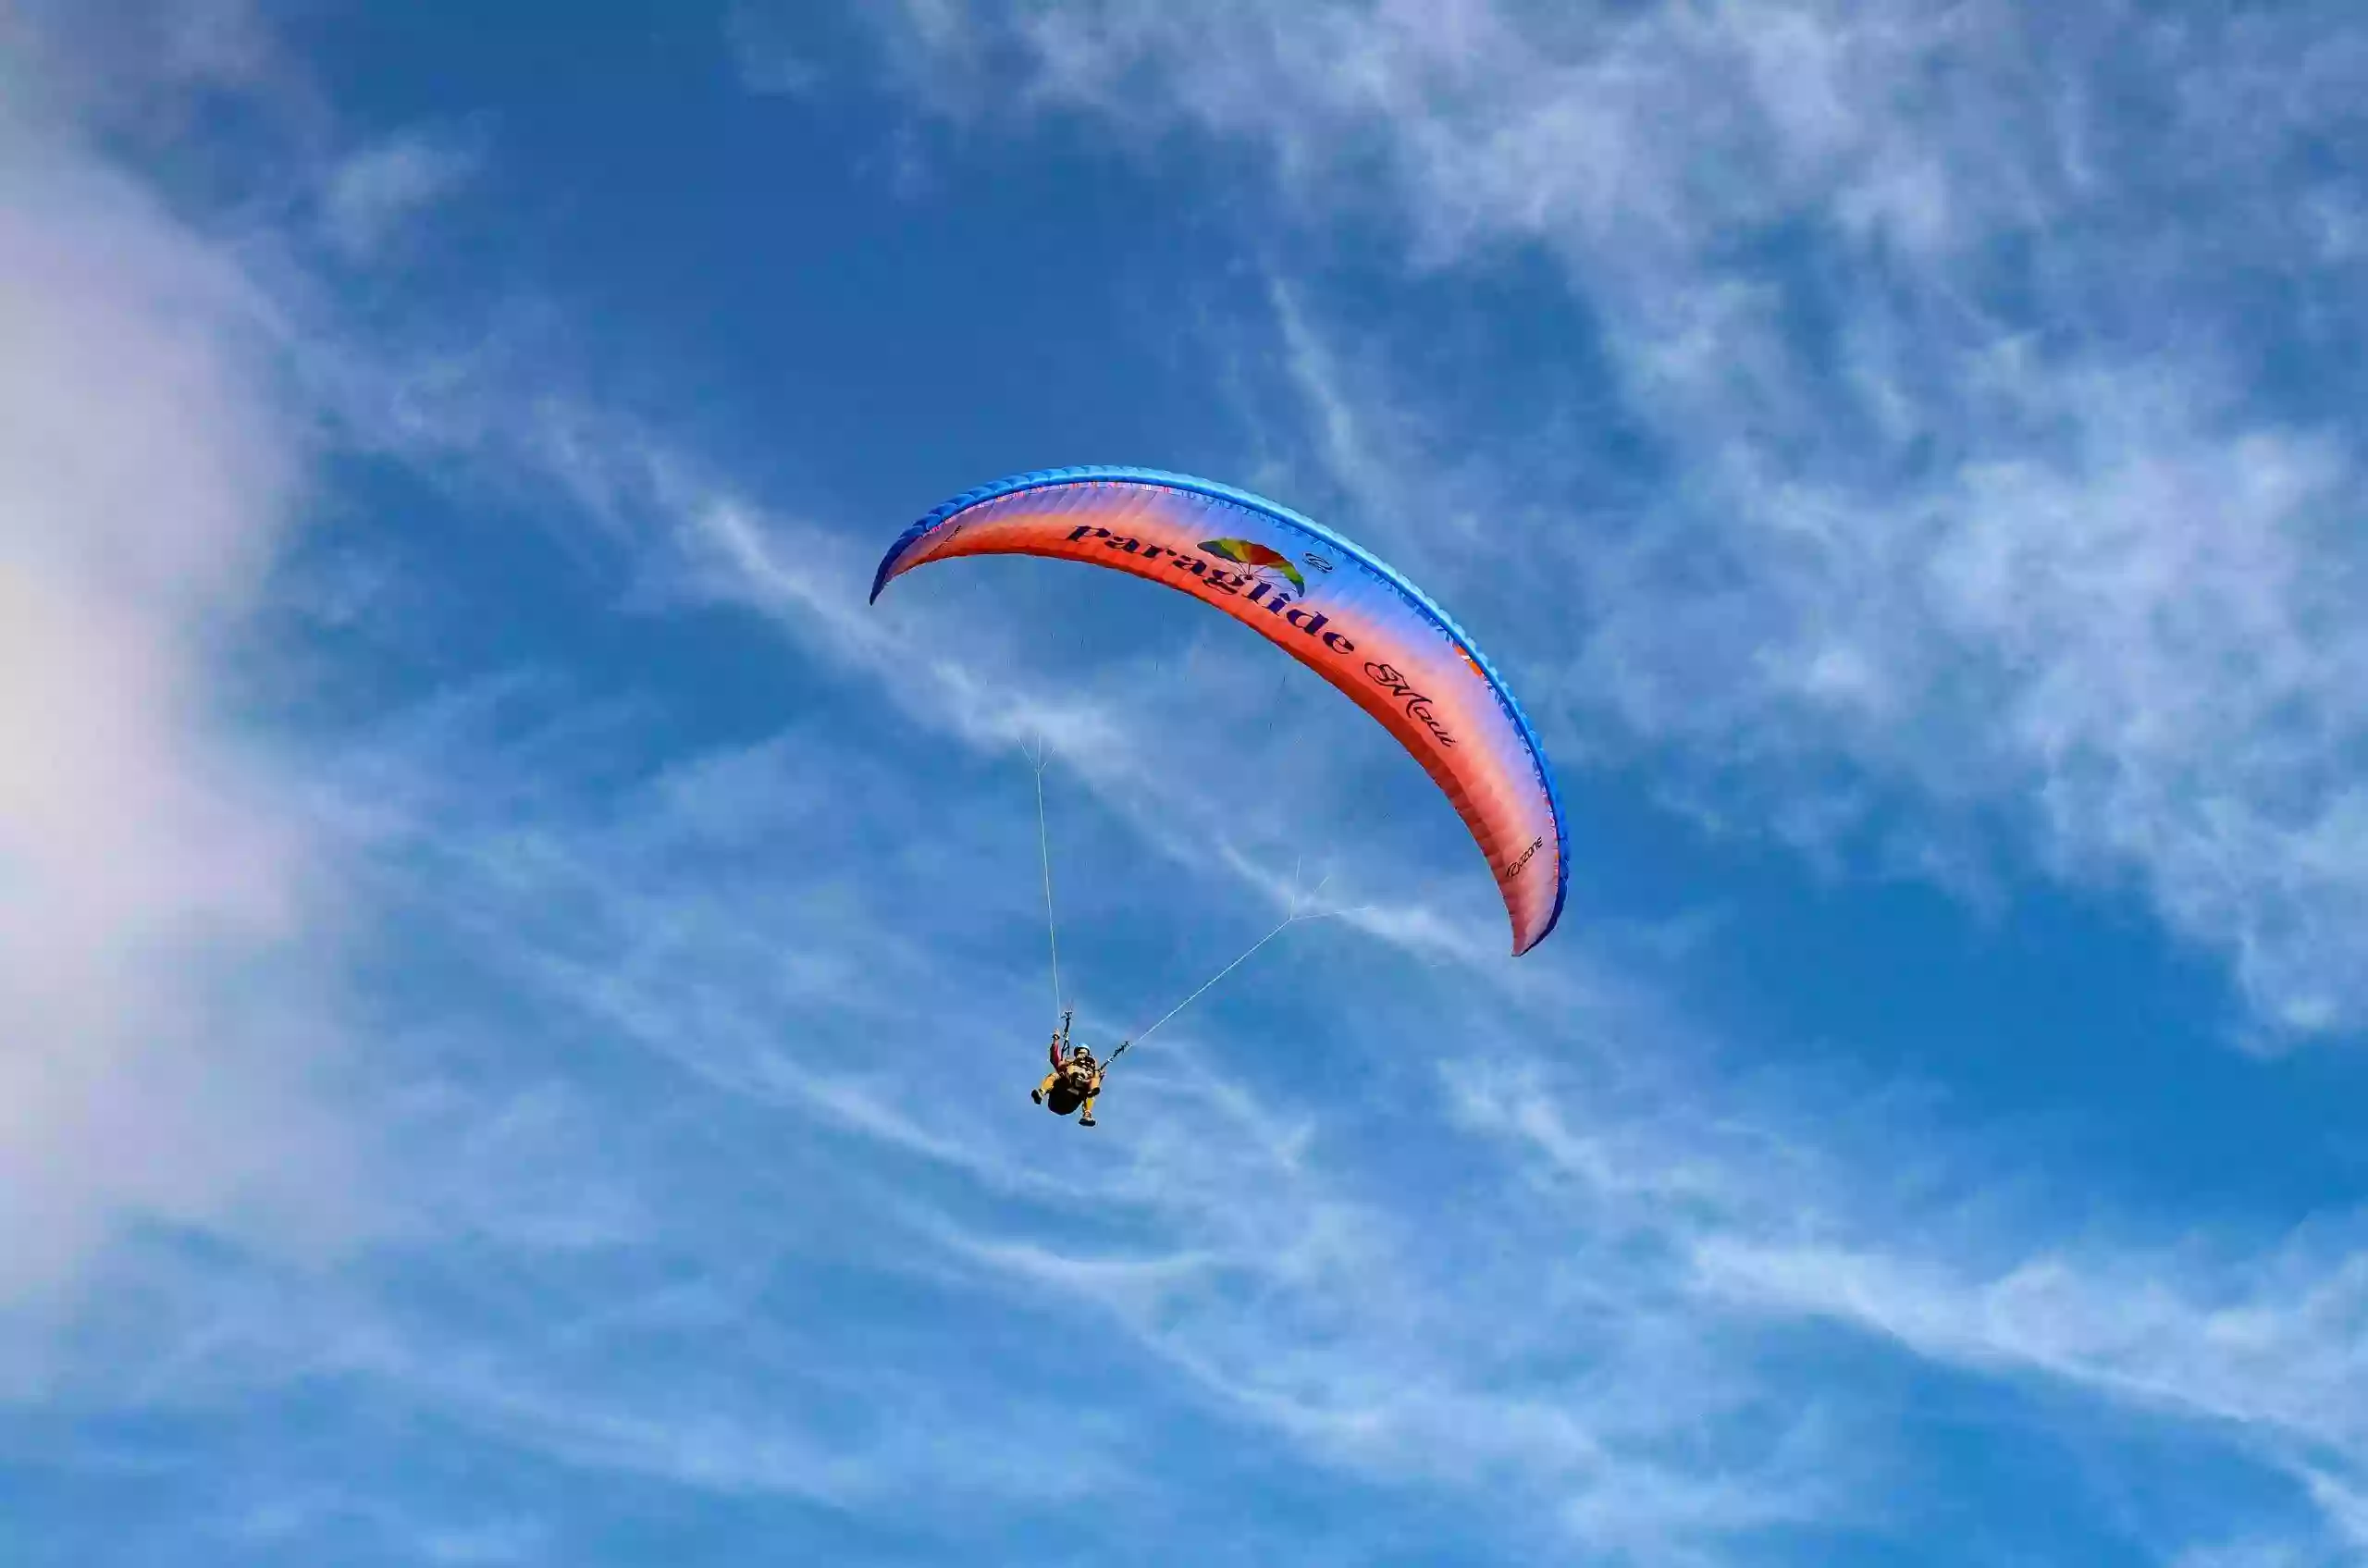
column 1324, row 601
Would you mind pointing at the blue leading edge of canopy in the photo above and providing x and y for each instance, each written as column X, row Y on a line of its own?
column 1045, row 478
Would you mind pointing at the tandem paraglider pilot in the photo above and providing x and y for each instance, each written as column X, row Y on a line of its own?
column 1074, row 1080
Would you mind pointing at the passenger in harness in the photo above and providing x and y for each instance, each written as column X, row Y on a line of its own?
column 1074, row 1080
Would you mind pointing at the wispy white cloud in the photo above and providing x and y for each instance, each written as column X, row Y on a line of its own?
column 2257, row 1346
column 2247, row 1342
column 2263, row 1340
column 373, row 193
column 767, row 61
column 167, row 944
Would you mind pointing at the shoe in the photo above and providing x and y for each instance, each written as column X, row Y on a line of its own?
column 1037, row 1095
column 1085, row 1122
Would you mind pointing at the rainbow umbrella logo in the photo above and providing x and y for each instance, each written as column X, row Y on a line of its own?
column 1255, row 556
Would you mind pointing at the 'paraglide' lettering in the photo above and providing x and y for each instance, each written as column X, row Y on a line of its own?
column 1418, row 707
column 1263, row 594
column 1275, row 601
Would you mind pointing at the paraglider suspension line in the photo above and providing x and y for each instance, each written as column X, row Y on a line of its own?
column 1294, row 917
column 1044, row 850
column 1218, row 975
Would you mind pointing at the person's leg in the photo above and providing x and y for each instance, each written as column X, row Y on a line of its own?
column 1086, row 1120
column 1044, row 1088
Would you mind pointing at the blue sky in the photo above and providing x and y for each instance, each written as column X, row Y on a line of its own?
column 522, row 985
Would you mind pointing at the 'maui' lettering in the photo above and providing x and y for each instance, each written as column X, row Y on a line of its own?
column 1418, row 707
